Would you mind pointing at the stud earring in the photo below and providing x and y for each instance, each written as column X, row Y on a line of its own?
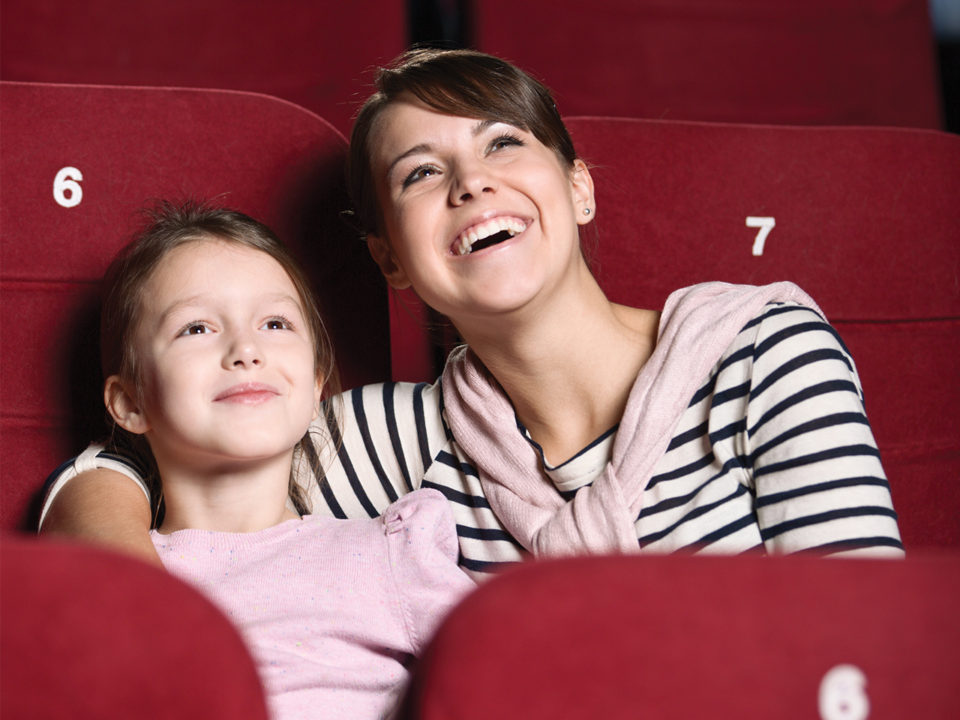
column 586, row 211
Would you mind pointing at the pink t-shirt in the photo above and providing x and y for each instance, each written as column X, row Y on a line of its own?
column 332, row 610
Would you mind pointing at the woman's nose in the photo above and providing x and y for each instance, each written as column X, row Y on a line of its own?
column 470, row 181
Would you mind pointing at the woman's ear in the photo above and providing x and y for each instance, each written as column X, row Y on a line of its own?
column 582, row 185
column 383, row 255
column 123, row 408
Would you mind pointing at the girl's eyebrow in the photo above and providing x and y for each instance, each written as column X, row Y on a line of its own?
column 200, row 299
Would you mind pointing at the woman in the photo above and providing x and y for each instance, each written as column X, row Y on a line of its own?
column 730, row 421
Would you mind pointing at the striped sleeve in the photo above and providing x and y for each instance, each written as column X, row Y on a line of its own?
column 818, row 480
column 382, row 441
column 95, row 456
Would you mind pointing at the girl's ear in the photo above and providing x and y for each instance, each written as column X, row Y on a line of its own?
column 582, row 185
column 383, row 255
column 317, row 397
column 123, row 408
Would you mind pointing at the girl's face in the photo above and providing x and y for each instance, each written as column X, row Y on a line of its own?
column 226, row 355
column 479, row 217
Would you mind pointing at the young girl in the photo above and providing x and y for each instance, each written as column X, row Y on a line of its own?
column 730, row 420
column 216, row 355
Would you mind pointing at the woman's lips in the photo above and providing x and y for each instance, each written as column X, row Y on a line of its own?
column 247, row 394
column 495, row 230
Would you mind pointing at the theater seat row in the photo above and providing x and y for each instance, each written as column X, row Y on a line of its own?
column 810, row 62
column 864, row 218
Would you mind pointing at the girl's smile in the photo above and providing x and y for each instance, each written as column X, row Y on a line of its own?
column 248, row 394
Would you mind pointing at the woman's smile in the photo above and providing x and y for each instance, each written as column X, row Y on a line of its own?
column 488, row 233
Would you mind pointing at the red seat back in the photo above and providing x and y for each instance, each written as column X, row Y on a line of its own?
column 700, row 637
column 810, row 62
column 864, row 219
column 88, row 634
column 313, row 54
column 269, row 158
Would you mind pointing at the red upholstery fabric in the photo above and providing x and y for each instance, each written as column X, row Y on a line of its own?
column 866, row 221
column 692, row 637
column 810, row 62
column 312, row 53
column 89, row 635
column 258, row 154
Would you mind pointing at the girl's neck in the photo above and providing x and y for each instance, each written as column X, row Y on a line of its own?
column 239, row 498
column 568, row 368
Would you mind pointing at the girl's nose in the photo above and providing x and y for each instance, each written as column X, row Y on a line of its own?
column 243, row 352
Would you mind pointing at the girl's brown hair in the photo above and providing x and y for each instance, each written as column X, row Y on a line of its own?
column 466, row 83
column 172, row 225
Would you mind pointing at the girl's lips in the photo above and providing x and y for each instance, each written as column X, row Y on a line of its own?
column 247, row 394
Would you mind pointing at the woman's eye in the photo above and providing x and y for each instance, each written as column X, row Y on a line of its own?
column 419, row 173
column 505, row 141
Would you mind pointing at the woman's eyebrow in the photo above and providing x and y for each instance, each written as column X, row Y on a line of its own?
column 426, row 147
column 415, row 150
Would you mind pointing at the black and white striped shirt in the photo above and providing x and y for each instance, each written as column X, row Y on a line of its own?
column 773, row 453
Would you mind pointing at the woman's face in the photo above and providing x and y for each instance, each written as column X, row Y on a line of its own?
column 479, row 217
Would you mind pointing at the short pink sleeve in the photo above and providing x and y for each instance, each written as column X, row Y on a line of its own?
column 423, row 547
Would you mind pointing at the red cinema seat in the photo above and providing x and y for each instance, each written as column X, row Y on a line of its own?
column 311, row 53
column 807, row 62
column 89, row 635
column 675, row 638
column 864, row 219
column 78, row 163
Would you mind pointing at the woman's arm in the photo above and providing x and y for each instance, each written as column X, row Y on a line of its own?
column 819, row 483
column 103, row 507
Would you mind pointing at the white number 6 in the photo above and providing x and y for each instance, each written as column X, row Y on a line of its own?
column 766, row 224
column 843, row 695
column 66, row 187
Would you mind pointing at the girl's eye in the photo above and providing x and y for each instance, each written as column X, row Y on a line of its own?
column 419, row 173
column 505, row 141
column 194, row 328
column 277, row 323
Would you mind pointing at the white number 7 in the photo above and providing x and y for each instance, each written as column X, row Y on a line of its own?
column 766, row 224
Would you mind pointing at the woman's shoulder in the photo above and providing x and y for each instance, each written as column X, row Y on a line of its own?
column 389, row 400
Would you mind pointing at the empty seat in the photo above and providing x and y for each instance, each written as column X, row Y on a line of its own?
column 88, row 634
column 810, row 62
column 697, row 637
column 78, row 163
column 314, row 54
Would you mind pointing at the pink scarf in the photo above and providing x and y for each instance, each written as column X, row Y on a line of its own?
column 697, row 325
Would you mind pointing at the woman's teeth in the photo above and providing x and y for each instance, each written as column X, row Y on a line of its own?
column 488, row 233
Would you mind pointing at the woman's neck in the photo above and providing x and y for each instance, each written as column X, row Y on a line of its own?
column 233, row 497
column 568, row 369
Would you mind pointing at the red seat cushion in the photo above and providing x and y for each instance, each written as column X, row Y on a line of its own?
column 263, row 156
column 696, row 637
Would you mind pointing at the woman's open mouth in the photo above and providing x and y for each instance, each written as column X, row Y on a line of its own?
column 487, row 234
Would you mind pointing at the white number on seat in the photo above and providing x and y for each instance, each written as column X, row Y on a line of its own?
column 66, row 187
column 766, row 224
column 843, row 694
